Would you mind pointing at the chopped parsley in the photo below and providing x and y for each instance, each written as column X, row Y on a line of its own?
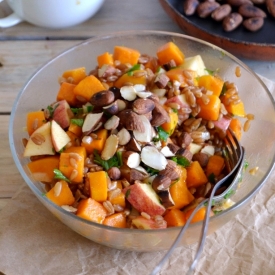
column 229, row 194
column 163, row 135
column 127, row 193
column 223, row 90
column 58, row 175
column 180, row 160
column 51, row 110
column 211, row 72
column 115, row 161
column 211, row 178
column 134, row 68
column 151, row 171
column 77, row 121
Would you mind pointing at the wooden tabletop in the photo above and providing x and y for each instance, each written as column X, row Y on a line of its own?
column 24, row 48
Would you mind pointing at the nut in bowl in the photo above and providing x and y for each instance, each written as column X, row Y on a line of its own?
column 132, row 133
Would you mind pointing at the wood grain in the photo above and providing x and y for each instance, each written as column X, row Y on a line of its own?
column 115, row 15
column 20, row 59
column 10, row 179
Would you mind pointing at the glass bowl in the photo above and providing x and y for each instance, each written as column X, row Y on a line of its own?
column 41, row 89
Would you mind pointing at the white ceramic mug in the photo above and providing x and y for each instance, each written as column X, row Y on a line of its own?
column 53, row 14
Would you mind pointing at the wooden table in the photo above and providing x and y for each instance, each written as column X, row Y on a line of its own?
column 24, row 48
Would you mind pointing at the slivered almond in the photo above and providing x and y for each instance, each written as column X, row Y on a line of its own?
column 111, row 123
column 131, row 159
column 91, row 121
column 110, row 147
column 123, row 136
column 128, row 92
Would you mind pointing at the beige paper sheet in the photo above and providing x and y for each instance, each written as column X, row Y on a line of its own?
column 34, row 242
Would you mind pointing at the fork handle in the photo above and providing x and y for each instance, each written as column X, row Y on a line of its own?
column 203, row 230
column 177, row 240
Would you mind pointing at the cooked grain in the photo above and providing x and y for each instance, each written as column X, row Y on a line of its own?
column 238, row 71
column 246, row 125
column 254, row 170
column 145, row 215
column 109, row 207
column 57, row 189
column 74, row 174
column 38, row 138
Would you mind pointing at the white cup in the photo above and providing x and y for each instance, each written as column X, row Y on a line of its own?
column 55, row 14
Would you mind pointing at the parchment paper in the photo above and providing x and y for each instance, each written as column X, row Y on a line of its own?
column 34, row 242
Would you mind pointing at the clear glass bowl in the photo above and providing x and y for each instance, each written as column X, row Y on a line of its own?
column 42, row 87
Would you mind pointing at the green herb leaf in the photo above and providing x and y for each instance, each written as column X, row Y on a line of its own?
column 127, row 193
column 229, row 194
column 134, row 68
column 115, row 161
column 163, row 135
column 77, row 121
column 246, row 164
column 211, row 72
column 211, row 178
column 58, row 175
column 223, row 90
column 77, row 111
column 51, row 110
column 217, row 211
column 151, row 171
column 180, row 160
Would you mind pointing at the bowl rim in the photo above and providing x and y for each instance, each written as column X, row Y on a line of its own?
column 37, row 192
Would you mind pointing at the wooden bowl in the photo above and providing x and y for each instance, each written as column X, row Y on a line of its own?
column 258, row 45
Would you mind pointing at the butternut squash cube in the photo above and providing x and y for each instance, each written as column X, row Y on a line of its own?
column 87, row 87
column 195, row 175
column 98, row 185
column 91, row 210
column 61, row 194
column 170, row 51
column 75, row 75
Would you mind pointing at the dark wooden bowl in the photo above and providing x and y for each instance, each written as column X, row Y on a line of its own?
column 258, row 45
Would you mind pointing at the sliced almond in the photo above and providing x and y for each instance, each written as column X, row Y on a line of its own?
column 131, row 121
column 133, row 145
column 144, row 94
column 111, row 123
column 91, row 120
column 131, row 159
column 143, row 106
column 153, row 158
column 123, row 136
column 160, row 115
column 146, row 135
column 112, row 108
column 128, row 92
column 110, row 147
column 121, row 104
column 167, row 152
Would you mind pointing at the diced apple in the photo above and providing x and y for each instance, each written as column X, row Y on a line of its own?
column 59, row 136
column 62, row 113
column 144, row 198
column 179, row 99
column 222, row 123
column 194, row 63
column 143, row 223
column 208, row 149
column 194, row 148
column 40, row 142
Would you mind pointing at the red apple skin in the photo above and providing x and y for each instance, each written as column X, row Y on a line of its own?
column 62, row 114
column 143, row 223
column 144, row 199
column 177, row 99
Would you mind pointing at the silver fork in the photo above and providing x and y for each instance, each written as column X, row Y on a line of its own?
column 233, row 153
